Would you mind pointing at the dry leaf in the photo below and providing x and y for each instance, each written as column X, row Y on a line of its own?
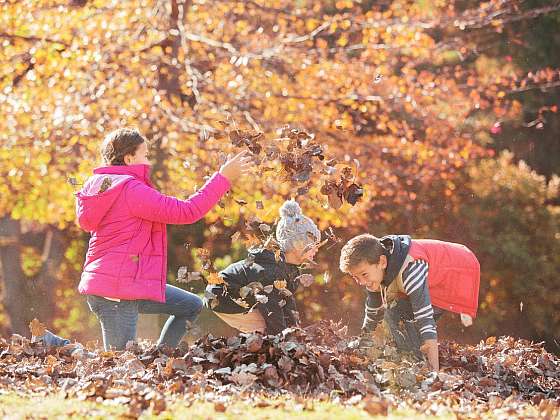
column 37, row 328
column 305, row 280
column 215, row 278
column 280, row 284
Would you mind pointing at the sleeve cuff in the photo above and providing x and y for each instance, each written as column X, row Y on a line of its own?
column 429, row 335
column 221, row 183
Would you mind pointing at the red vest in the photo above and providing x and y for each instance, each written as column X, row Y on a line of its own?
column 453, row 274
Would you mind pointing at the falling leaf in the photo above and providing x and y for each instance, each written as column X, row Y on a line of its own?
column 252, row 241
column 263, row 227
column 280, row 284
column 73, row 181
column 335, row 201
column 215, row 278
column 182, row 273
column 37, row 328
column 204, row 256
column 241, row 302
column 305, row 280
column 105, row 185
column 259, row 205
column 261, row 298
column 353, row 193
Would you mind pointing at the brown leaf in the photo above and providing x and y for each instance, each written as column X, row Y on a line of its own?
column 215, row 278
column 353, row 193
column 335, row 201
column 305, row 280
column 243, row 378
column 37, row 328
column 280, row 284
column 285, row 363
column 376, row 406
column 105, row 185
column 219, row 407
column 254, row 343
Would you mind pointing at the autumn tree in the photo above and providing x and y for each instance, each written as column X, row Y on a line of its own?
column 403, row 92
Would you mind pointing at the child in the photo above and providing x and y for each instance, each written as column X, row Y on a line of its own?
column 298, row 238
column 126, row 263
column 415, row 281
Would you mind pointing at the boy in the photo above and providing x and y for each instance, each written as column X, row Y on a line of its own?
column 414, row 281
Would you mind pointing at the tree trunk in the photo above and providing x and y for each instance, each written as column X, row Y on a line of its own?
column 28, row 297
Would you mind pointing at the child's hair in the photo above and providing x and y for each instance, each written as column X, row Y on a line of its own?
column 295, row 230
column 361, row 248
column 119, row 143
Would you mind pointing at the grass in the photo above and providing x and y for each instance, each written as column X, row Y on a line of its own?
column 14, row 406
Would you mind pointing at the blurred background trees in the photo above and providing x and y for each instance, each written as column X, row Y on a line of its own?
column 448, row 110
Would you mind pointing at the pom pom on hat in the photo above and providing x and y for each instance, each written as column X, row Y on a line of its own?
column 291, row 209
column 294, row 228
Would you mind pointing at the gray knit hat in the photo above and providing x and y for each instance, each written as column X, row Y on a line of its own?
column 294, row 229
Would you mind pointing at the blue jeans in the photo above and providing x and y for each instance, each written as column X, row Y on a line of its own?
column 118, row 319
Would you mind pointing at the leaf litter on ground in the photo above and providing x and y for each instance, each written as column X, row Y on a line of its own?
column 319, row 362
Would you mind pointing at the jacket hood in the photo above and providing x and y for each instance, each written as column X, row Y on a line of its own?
column 397, row 247
column 102, row 189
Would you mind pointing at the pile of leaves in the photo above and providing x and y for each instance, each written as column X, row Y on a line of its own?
column 320, row 361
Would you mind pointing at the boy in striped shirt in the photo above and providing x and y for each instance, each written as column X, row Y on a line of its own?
column 412, row 282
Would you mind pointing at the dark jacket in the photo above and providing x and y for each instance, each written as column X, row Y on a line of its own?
column 260, row 266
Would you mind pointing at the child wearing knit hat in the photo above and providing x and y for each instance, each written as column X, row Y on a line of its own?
column 249, row 299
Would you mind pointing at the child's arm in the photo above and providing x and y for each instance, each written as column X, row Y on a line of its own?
column 148, row 203
column 373, row 312
column 273, row 313
column 290, row 311
column 415, row 282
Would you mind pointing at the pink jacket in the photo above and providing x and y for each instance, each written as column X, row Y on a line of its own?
column 127, row 253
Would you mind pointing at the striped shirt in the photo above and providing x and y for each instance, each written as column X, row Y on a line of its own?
column 415, row 282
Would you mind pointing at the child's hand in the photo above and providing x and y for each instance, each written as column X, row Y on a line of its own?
column 236, row 166
column 430, row 349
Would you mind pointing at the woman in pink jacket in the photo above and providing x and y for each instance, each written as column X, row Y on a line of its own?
column 126, row 263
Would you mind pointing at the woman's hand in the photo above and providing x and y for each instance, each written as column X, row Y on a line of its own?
column 236, row 166
column 430, row 349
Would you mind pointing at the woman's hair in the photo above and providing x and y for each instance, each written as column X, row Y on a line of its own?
column 295, row 230
column 119, row 143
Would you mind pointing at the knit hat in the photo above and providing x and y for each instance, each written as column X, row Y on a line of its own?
column 295, row 229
